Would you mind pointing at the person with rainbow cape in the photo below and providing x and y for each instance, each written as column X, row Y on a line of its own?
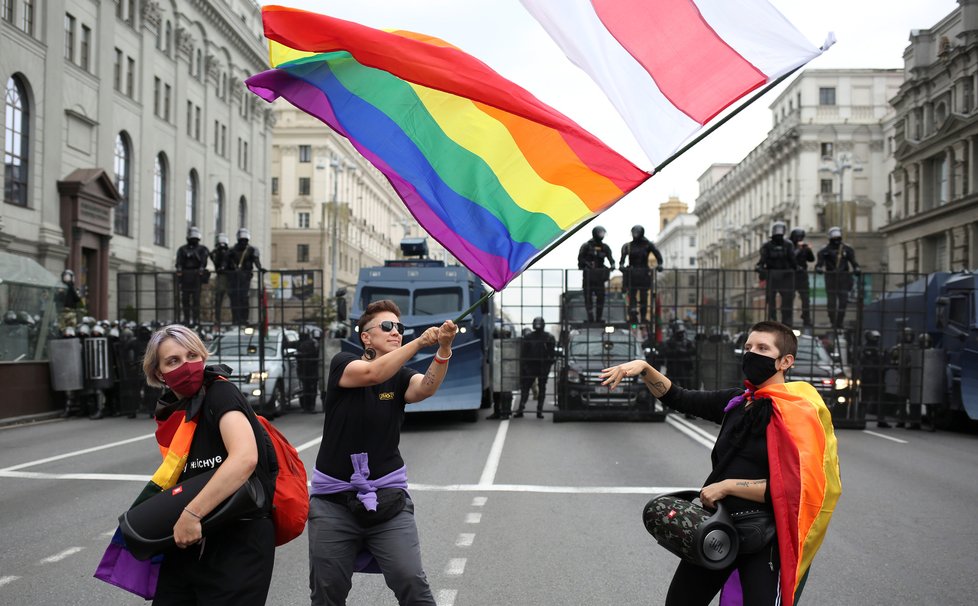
column 776, row 452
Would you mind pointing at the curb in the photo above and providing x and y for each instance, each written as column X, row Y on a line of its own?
column 30, row 419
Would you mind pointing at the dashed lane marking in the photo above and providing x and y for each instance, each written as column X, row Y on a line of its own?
column 465, row 539
column 885, row 437
column 60, row 556
column 10, row 579
column 473, row 518
column 76, row 453
column 456, row 567
column 479, row 501
column 446, row 597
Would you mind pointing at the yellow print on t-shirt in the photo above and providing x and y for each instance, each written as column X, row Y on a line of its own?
column 387, row 395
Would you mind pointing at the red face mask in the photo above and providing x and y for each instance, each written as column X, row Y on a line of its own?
column 186, row 379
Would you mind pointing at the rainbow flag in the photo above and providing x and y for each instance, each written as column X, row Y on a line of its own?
column 491, row 172
column 805, row 479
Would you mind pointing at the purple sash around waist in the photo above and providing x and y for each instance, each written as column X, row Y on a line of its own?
column 366, row 489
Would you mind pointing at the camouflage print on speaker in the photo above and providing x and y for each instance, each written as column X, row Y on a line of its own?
column 697, row 535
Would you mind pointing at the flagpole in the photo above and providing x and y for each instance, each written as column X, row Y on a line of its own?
column 668, row 161
column 484, row 298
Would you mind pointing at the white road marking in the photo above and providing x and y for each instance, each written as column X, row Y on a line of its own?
column 879, row 435
column 465, row 539
column 60, row 556
column 473, row 518
column 446, row 597
column 76, row 453
column 691, row 431
column 309, row 444
column 7, row 579
column 495, row 453
column 456, row 567
column 479, row 501
column 37, row 475
column 546, row 489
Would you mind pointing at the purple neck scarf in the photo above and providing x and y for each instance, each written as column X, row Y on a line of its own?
column 736, row 401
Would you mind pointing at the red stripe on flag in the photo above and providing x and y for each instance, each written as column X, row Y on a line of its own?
column 693, row 67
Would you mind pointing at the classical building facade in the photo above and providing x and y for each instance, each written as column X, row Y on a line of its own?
column 676, row 239
column 933, row 206
column 824, row 163
column 125, row 123
column 311, row 168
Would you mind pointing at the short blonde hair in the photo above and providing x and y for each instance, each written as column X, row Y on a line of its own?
column 182, row 335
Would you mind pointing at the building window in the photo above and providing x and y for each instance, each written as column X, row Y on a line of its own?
column 244, row 161
column 7, row 11
column 198, row 63
column 303, row 220
column 159, row 200
column 16, row 143
column 827, row 150
column 942, row 182
column 692, row 240
column 274, row 186
column 825, row 186
column 192, row 196
column 826, row 96
column 157, row 85
column 167, row 39
column 242, row 212
column 692, row 261
column 302, row 253
column 224, row 141
column 219, row 209
column 27, row 21
column 69, row 37
column 122, row 163
column 197, row 122
column 130, row 76
column 85, row 51
column 190, row 118
column 305, row 153
column 166, row 102
column 967, row 95
column 303, row 186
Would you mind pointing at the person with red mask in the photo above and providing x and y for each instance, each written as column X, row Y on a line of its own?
column 232, row 565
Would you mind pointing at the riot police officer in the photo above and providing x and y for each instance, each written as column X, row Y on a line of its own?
column 680, row 355
column 191, row 266
column 838, row 262
column 871, row 377
column 777, row 266
column 219, row 257
column 900, row 367
column 637, row 276
column 307, row 365
column 242, row 260
column 591, row 258
column 537, row 353
column 803, row 256
column 71, row 299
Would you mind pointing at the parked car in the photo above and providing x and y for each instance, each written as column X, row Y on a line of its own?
column 588, row 352
column 239, row 349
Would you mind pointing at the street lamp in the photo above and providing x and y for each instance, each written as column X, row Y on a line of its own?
column 840, row 165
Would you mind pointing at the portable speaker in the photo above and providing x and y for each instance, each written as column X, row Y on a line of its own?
column 697, row 535
column 147, row 528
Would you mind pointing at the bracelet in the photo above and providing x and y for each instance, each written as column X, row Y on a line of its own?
column 441, row 360
column 191, row 513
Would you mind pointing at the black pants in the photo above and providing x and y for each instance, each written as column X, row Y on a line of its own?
column 801, row 287
column 307, row 399
column 526, row 382
column 220, row 291
column 595, row 291
column 190, row 297
column 239, row 284
column 837, row 287
column 693, row 585
column 231, row 567
column 781, row 282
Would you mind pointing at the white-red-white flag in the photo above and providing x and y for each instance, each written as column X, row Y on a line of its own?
column 670, row 66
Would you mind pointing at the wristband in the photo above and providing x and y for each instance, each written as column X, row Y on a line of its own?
column 191, row 513
column 441, row 360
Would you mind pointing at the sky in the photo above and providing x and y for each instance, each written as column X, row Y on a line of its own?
column 503, row 35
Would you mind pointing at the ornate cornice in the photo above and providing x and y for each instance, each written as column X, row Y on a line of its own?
column 185, row 42
column 151, row 13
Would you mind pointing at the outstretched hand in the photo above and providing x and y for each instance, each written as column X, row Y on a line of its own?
column 614, row 375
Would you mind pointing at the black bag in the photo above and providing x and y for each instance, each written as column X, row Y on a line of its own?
column 390, row 502
column 755, row 529
column 148, row 527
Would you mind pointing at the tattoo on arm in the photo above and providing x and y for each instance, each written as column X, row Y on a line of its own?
column 429, row 378
column 658, row 388
column 749, row 483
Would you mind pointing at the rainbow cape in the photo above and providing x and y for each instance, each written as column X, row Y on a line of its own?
column 118, row 566
column 488, row 170
column 805, row 481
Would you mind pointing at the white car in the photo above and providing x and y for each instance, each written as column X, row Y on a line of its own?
column 269, row 382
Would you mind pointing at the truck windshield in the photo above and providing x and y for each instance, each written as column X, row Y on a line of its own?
column 228, row 346
column 582, row 348
column 401, row 297
column 437, row 301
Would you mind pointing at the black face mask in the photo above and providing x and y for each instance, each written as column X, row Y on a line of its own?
column 758, row 368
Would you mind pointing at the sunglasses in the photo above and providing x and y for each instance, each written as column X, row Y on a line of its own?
column 387, row 326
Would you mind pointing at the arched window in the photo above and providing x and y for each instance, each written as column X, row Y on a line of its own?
column 16, row 143
column 123, row 181
column 159, row 200
column 242, row 212
column 219, row 210
column 199, row 63
column 192, row 199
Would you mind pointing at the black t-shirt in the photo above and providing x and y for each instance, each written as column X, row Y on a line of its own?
column 362, row 419
column 750, row 462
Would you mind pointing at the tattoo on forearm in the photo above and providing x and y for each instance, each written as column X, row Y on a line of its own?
column 429, row 377
column 658, row 388
column 749, row 483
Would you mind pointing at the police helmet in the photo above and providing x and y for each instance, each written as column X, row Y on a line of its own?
column 778, row 229
column 84, row 330
column 88, row 320
column 638, row 232
column 25, row 318
column 908, row 336
column 193, row 234
column 244, row 234
column 598, row 233
column 797, row 235
column 872, row 337
column 69, row 331
column 98, row 331
column 835, row 233
column 222, row 239
column 10, row 317
column 539, row 323
column 67, row 276
column 316, row 333
column 925, row 340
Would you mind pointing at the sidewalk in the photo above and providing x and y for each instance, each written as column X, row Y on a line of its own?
column 30, row 419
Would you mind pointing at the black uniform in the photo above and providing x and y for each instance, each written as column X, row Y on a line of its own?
column 777, row 266
column 307, row 358
column 242, row 260
column 591, row 258
column 680, row 355
column 637, row 275
column 803, row 256
column 838, row 261
column 220, row 257
column 871, row 378
column 191, row 265
column 537, row 353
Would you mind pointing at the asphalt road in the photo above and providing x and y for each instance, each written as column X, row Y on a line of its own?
column 521, row 512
